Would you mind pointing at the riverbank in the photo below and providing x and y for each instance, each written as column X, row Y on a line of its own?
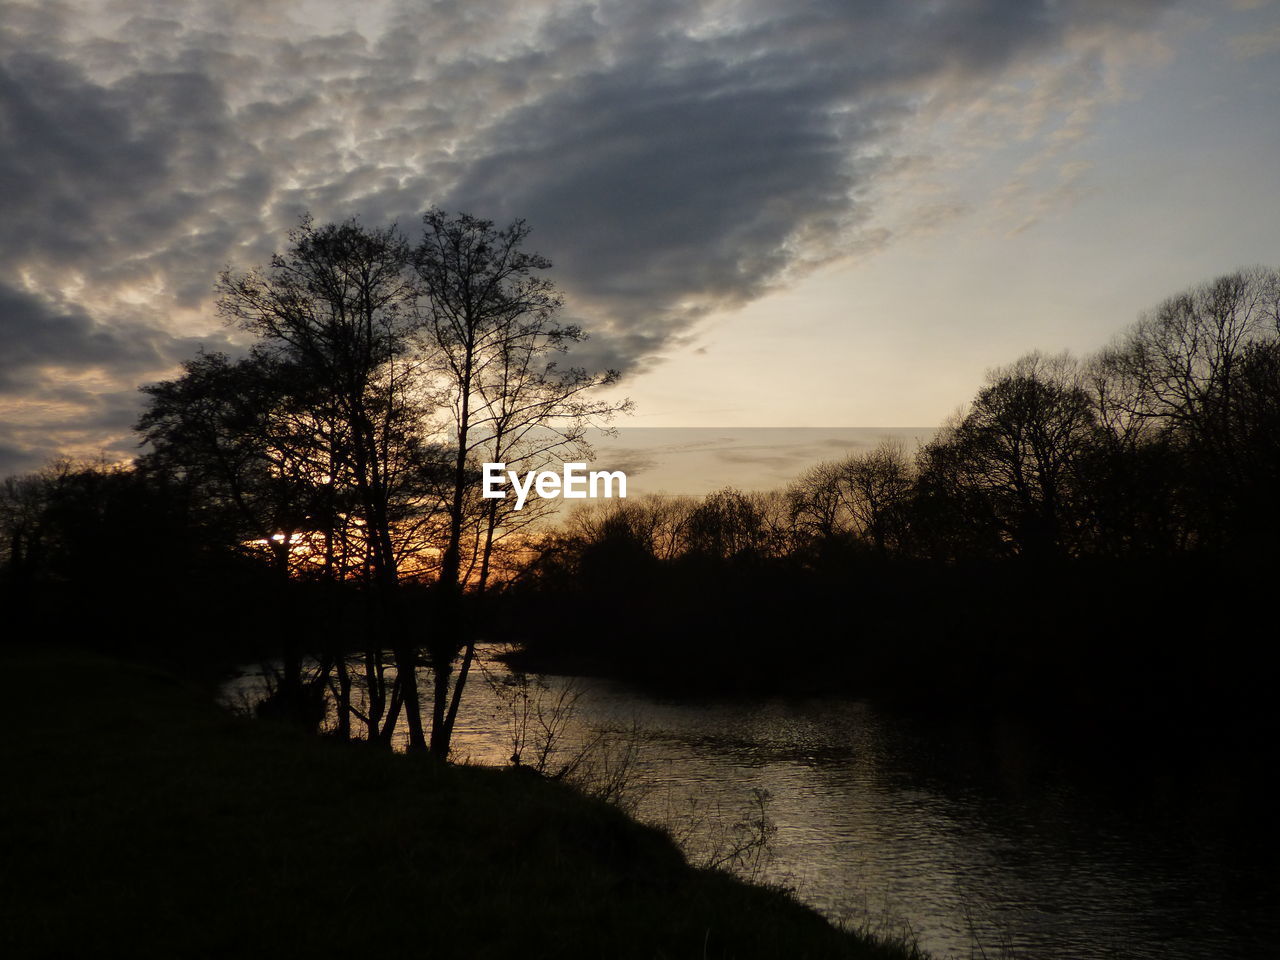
column 141, row 820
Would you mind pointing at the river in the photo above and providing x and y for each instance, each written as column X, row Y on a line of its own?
column 964, row 833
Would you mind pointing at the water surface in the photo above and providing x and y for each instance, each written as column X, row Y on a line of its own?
column 967, row 835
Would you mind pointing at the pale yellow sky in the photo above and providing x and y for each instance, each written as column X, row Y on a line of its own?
column 1172, row 181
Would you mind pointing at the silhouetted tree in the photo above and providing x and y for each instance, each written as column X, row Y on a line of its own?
column 228, row 434
column 217, row 431
column 1180, row 374
column 22, row 527
column 879, row 484
column 319, row 433
column 491, row 334
column 76, row 537
column 819, row 504
column 730, row 524
column 1017, row 452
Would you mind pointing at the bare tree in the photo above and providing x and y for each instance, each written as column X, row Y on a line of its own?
column 1017, row 451
column 1178, row 391
column 729, row 523
column 490, row 327
column 879, row 483
column 23, row 501
column 862, row 495
column 1180, row 363
column 334, row 316
column 818, row 502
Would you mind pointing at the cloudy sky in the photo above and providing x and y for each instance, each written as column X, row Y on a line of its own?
column 769, row 213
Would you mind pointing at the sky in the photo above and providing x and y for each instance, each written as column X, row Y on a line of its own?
column 767, row 213
column 694, row 461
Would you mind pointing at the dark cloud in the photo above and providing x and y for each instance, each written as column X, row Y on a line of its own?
column 672, row 157
column 689, row 173
column 33, row 335
column 69, row 379
column 655, row 189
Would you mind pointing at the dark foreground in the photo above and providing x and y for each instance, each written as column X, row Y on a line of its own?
column 139, row 820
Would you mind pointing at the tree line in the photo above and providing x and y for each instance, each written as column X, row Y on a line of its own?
column 326, row 480
column 1166, row 442
column 1078, row 517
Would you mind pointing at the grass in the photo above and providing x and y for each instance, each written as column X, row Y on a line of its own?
column 139, row 820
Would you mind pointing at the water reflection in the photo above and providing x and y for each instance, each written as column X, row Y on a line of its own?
column 961, row 836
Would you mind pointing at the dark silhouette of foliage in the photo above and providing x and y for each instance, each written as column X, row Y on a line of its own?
column 489, row 327
column 1054, row 547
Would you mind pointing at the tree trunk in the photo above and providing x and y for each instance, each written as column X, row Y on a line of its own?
column 456, row 700
column 375, row 680
column 407, row 684
column 344, row 698
column 393, row 714
column 442, row 666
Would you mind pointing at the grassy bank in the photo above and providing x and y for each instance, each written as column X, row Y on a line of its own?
column 139, row 820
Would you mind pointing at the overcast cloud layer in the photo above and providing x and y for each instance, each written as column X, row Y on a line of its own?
column 673, row 158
